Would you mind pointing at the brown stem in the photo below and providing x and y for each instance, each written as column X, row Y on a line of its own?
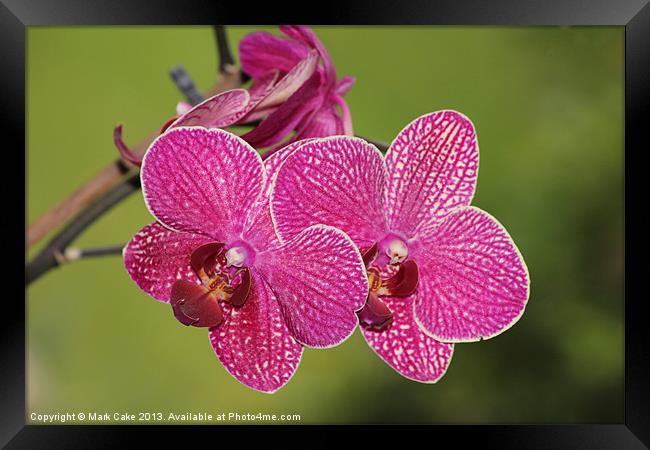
column 104, row 190
column 86, row 194
column 54, row 253
column 109, row 177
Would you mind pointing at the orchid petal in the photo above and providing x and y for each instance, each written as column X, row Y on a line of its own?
column 347, row 117
column 406, row 348
column 285, row 118
column 254, row 344
column 219, row 111
column 320, row 282
column 126, row 153
column 305, row 34
column 202, row 181
column 474, row 283
column 258, row 229
column 323, row 122
column 274, row 162
column 291, row 82
column 156, row 257
column 337, row 181
column 432, row 166
column 261, row 52
column 345, row 84
column 261, row 88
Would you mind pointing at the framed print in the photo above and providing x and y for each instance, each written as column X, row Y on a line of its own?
column 410, row 216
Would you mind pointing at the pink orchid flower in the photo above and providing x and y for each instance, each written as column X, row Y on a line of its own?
column 312, row 109
column 440, row 271
column 291, row 91
column 214, row 256
column 241, row 106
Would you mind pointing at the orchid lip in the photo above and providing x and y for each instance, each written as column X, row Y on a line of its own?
column 225, row 277
column 381, row 260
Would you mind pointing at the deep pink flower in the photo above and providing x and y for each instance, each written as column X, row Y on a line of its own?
column 240, row 106
column 440, row 271
column 214, row 256
column 312, row 109
column 294, row 89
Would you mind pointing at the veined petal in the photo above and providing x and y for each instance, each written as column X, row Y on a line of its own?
column 259, row 90
column 202, row 181
column 323, row 122
column 219, row 111
column 156, row 257
column 258, row 229
column 273, row 163
column 262, row 86
column 291, row 82
column 406, row 348
column 432, row 167
column 261, row 52
column 337, row 181
column 254, row 344
column 284, row 119
column 320, row 281
column 474, row 283
column 305, row 34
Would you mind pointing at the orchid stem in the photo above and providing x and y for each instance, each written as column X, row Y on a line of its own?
column 186, row 85
column 226, row 59
column 184, row 81
column 109, row 177
column 54, row 253
column 74, row 253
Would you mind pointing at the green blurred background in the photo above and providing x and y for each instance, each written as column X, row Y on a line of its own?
column 547, row 103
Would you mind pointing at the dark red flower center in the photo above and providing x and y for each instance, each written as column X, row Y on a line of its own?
column 390, row 274
column 225, row 277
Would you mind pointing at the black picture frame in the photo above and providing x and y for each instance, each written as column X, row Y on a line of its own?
column 634, row 15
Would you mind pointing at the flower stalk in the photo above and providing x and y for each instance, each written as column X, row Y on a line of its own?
column 54, row 252
column 228, row 78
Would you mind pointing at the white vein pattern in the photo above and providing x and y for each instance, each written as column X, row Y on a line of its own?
column 336, row 181
column 199, row 181
column 473, row 283
column 254, row 344
column 156, row 257
column 406, row 348
column 217, row 111
column 320, row 282
column 258, row 229
column 432, row 167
